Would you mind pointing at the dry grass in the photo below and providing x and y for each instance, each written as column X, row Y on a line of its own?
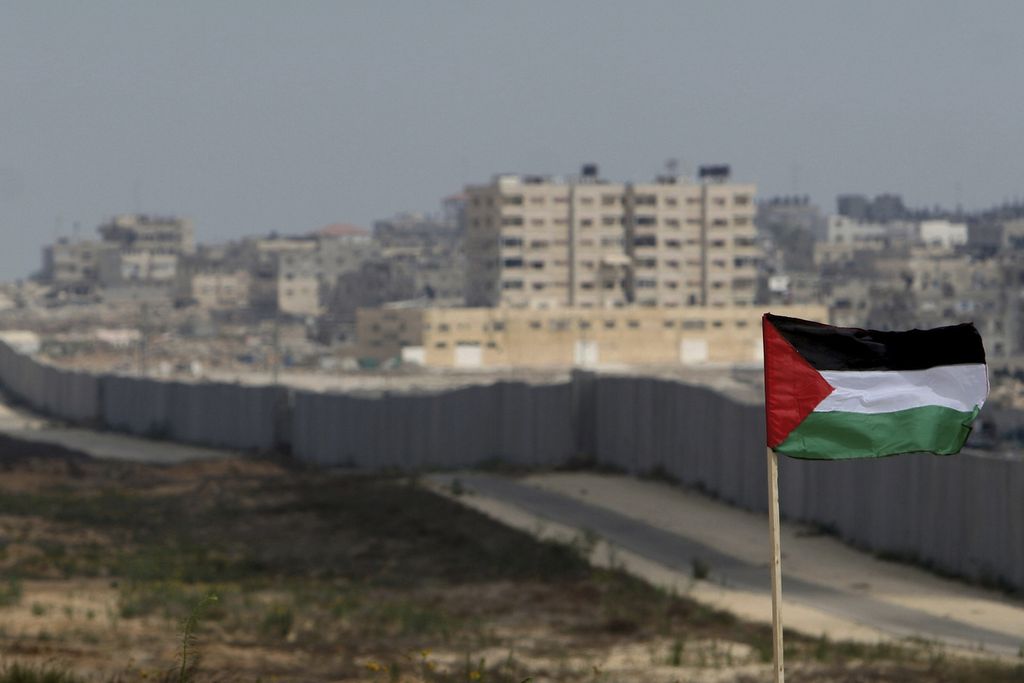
column 347, row 578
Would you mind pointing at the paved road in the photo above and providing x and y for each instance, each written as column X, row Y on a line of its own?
column 677, row 552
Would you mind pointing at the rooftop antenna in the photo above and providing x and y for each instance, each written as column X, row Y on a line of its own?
column 672, row 166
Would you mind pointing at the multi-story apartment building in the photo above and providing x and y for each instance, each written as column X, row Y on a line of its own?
column 66, row 262
column 534, row 241
column 143, row 232
column 220, row 289
column 132, row 248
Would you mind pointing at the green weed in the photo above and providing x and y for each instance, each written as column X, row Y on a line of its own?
column 10, row 593
column 18, row 673
column 188, row 636
column 277, row 622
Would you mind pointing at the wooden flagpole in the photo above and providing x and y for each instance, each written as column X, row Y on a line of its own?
column 776, row 564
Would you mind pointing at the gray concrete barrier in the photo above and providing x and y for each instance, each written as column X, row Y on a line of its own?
column 963, row 515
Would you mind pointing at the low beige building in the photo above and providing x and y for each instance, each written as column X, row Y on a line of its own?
column 516, row 337
column 221, row 290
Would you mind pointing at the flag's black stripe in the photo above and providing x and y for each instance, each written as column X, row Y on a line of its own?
column 849, row 348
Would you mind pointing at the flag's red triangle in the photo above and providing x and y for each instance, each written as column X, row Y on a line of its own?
column 792, row 388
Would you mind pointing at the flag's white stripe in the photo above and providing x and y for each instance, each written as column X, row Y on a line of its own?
column 961, row 387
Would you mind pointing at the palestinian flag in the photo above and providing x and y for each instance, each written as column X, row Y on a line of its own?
column 833, row 393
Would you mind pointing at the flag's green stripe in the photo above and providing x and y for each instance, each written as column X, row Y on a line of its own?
column 837, row 436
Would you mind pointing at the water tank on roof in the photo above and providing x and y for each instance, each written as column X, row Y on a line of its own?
column 714, row 172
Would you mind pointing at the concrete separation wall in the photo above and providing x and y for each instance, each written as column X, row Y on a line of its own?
column 511, row 422
column 963, row 515
column 66, row 394
column 209, row 414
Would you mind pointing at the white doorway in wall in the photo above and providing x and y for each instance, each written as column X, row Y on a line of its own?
column 586, row 353
column 468, row 355
column 693, row 351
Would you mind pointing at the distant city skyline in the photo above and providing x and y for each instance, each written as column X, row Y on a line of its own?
column 251, row 117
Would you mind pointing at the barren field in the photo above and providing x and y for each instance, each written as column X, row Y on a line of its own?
column 296, row 575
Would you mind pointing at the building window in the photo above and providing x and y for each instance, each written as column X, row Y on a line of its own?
column 512, row 284
column 693, row 324
column 512, row 220
column 646, row 220
column 645, row 241
column 512, row 263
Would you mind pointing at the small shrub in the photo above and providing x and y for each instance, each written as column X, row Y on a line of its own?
column 456, row 487
column 699, row 569
column 277, row 622
column 10, row 593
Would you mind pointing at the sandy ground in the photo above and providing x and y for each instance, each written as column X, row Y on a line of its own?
column 814, row 558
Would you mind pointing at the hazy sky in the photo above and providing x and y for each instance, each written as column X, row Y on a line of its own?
column 257, row 116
